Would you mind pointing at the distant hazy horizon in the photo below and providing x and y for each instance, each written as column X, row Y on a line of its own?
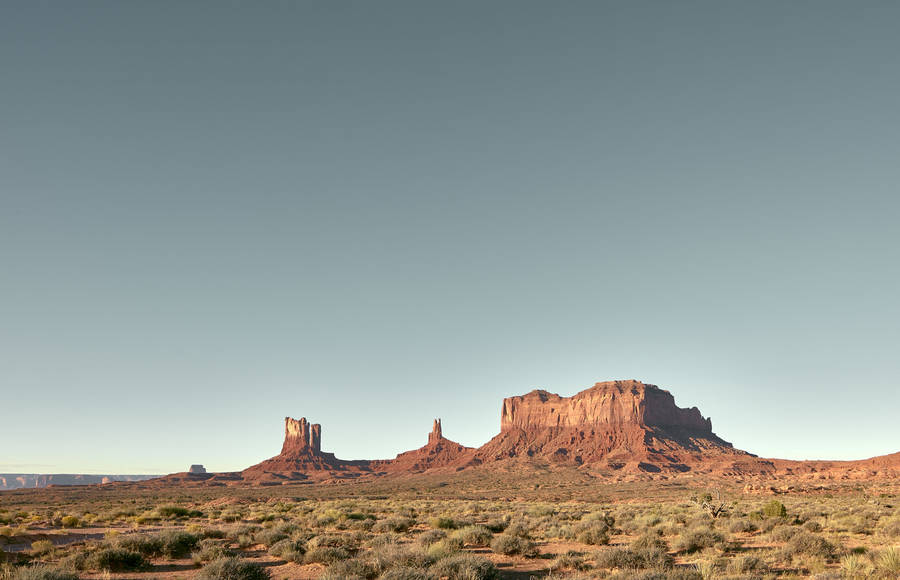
column 374, row 214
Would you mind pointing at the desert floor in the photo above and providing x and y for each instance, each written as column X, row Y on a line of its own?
column 558, row 524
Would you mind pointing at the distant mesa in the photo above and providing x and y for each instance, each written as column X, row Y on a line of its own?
column 38, row 480
column 196, row 469
column 618, row 429
column 618, row 424
column 624, row 426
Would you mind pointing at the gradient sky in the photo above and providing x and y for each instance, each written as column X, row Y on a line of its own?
column 371, row 214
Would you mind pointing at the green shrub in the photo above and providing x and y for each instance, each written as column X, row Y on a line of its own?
column 592, row 534
column 42, row 547
column 345, row 541
column 510, row 544
column 648, row 551
column 443, row 523
column 232, row 569
column 70, row 522
column 274, row 535
column 393, row 556
column 288, row 550
column 171, row 543
column 112, row 559
column 774, row 509
column 473, row 535
column 618, row 558
column 174, row 511
column 146, row 544
column 444, row 548
column 465, row 567
column 518, row 529
column 698, row 539
column 177, row 544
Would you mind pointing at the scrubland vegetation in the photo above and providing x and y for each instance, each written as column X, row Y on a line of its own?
column 357, row 531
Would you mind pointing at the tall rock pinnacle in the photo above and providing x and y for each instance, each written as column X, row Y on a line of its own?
column 435, row 434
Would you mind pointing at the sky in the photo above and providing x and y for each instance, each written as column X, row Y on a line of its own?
column 214, row 215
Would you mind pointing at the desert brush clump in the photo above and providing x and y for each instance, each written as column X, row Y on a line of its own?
column 571, row 560
column 232, row 569
column 809, row 544
column 326, row 555
column 270, row 536
column 887, row 562
column 695, row 539
column 41, row 572
column 396, row 524
column 394, row 556
column 444, row 548
column 429, row 537
column 42, row 547
column 288, row 550
column 210, row 549
column 514, row 544
column 466, row 567
column 112, row 559
column 351, row 569
column 171, row 544
column 473, row 535
column 774, row 509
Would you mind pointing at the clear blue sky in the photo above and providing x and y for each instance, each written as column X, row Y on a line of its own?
column 371, row 214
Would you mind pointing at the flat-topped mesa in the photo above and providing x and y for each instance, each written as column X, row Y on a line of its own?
column 300, row 437
column 606, row 405
column 435, row 434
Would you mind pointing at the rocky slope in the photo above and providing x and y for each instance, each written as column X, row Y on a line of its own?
column 438, row 452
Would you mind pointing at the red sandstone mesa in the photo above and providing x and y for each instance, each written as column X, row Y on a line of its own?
column 614, row 428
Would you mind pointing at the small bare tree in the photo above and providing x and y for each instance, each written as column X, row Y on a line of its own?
column 714, row 507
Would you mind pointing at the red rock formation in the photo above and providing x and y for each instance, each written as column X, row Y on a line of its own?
column 301, row 454
column 614, row 427
column 438, row 452
column 618, row 424
column 435, row 434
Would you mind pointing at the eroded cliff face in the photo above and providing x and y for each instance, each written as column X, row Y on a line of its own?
column 301, row 455
column 301, row 437
column 619, row 424
column 607, row 405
